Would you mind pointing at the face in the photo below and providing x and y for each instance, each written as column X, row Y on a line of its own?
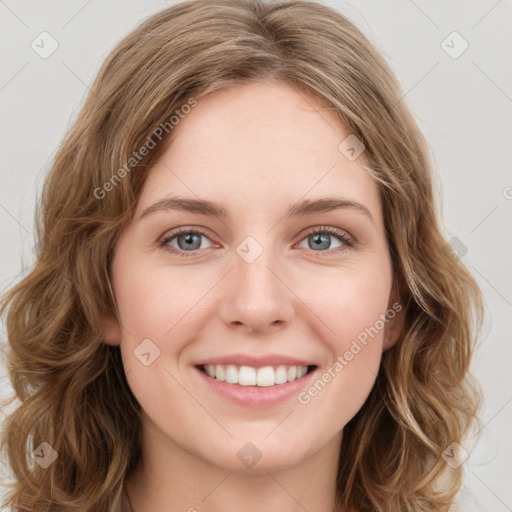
column 233, row 266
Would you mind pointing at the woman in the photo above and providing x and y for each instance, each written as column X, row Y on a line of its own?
column 242, row 297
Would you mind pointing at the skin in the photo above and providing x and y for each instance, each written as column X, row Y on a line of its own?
column 256, row 149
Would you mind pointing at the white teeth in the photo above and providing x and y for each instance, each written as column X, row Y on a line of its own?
column 248, row 376
column 231, row 374
column 220, row 374
column 266, row 376
column 292, row 373
column 281, row 375
column 301, row 371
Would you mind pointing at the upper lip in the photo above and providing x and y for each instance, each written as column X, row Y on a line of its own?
column 255, row 361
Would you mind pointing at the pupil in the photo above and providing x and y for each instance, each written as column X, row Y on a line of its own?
column 322, row 239
column 189, row 239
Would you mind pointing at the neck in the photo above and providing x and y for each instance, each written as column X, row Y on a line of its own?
column 171, row 478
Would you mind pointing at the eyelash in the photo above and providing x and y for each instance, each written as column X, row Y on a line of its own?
column 339, row 233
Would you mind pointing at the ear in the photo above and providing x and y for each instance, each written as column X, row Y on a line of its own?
column 111, row 331
column 396, row 315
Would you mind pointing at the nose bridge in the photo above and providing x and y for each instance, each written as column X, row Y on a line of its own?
column 253, row 273
column 257, row 296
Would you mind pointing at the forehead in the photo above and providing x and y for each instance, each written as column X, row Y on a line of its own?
column 263, row 143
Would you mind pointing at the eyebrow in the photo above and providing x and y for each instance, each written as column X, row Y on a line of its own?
column 212, row 209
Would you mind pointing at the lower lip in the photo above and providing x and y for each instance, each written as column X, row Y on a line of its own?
column 256, row 396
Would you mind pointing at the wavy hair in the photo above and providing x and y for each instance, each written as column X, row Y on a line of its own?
column 70, row 386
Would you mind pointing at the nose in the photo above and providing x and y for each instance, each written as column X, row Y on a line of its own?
column 257, row 299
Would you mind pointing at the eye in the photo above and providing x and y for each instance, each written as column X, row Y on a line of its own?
column 320, row 238
column 188, row 242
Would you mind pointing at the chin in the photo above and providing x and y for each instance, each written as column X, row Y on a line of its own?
column 258, row 457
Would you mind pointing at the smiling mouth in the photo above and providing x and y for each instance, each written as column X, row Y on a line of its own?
column 265, row 376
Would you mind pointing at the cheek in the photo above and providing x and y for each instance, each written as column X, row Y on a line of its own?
column 351, row 305
column 160, row 316
column 161, row 312
column 156, row 302
column 352, row 310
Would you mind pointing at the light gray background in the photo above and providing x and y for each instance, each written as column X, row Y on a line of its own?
column 463, row 105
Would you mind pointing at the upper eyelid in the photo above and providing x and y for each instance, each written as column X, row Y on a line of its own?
column 180, row 231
